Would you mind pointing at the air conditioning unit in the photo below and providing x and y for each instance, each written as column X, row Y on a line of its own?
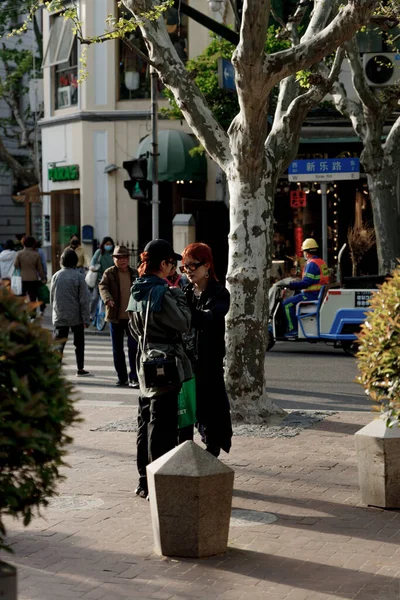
column 381, row 68
column 64, row 97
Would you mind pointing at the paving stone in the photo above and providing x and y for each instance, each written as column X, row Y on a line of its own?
column 285, row 560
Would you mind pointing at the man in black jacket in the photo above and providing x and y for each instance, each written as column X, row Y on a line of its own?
column 114, row 288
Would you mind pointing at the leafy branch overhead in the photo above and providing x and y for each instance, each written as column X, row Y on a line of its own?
column 204, row 71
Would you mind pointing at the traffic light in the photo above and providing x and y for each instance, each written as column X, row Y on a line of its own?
column 137, row 185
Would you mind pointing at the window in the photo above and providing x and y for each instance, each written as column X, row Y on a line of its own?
column 62, row 57
column 134, row 75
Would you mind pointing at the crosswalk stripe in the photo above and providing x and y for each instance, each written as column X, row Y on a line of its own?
column 99, row 388
column 90, row 368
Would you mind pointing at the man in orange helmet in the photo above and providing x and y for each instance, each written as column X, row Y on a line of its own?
column 315, row 275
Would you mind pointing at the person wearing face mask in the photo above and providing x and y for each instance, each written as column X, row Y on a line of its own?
column 101, row 261
column 75, row 245
column 208, row 301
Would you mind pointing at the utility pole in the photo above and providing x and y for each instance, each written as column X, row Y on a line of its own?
column 324, row 224
column 154, row 144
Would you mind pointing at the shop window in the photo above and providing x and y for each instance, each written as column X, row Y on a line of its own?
column 62, row 57
column 134, row 76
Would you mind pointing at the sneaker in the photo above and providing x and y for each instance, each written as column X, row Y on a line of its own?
column 82, row 373
column 134, row 384
column 141, row 492
column 121, row 383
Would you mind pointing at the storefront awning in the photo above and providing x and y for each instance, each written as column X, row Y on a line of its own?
column 174, row 160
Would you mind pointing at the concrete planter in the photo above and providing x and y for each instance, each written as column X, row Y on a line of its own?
column 190, row 501
column 8, row 581
column 378, row 458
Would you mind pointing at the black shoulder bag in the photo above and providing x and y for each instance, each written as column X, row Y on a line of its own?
column 160, row 370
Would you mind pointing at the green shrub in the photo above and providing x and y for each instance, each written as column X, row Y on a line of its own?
column 36, row 408
column 379, row 351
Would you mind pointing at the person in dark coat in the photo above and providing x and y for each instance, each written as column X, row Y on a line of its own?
column 162, row 312
column 114, row 289
column 209, row 303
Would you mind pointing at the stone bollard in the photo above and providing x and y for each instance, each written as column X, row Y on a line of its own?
column 8, row 581
column 378, row 458
column 190, row 501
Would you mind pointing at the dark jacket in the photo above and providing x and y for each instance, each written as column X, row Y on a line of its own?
column 169, row 318
column 109, row 290
column 208, row 323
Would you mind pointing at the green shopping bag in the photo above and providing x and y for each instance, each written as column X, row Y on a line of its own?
column 187, row 404
column 44, row 294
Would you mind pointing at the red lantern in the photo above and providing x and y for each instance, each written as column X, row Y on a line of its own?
column 298, row 240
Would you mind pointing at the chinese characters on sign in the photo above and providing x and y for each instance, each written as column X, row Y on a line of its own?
column 298, row 199
column 324, row 169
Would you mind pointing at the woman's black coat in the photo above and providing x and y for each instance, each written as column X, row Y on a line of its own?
column 208, row 321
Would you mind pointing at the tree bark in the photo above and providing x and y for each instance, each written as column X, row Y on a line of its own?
column 381, row 160
column 26, row 175
column 251, row 164
column 250, row 240
column 383, row 193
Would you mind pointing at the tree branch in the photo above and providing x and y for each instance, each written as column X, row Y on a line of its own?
column 320, row 16
column 12, row 101
column 174, row 75
column 248, row 62
column 284, row 137
column 289, row 87
column 364, row 93
column 391, row 146
column 27, row 176
column 342, row 28
column 350, row 109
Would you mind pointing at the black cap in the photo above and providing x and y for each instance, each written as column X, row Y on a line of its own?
column 161, row 250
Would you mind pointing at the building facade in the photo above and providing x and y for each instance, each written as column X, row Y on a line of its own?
column 89, row 130
column 12, row 213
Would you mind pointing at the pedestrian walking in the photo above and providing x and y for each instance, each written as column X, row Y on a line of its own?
column 7, row 260
column 163, row 312
column 75, row 245
column 209, row 303
column 102, row 259
column 31, row 268
column 70, row 301
column 114, row 288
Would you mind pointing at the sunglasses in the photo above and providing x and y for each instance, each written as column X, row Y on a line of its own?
column 191, row 267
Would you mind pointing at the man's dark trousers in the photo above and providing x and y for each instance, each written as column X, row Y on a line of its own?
column 117, row 337
column 61, row 333
column 157, row 430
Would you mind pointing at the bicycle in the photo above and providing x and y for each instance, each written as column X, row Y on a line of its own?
column 99, row 320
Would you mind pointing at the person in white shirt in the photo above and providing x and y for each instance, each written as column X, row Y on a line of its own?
column 7, row 259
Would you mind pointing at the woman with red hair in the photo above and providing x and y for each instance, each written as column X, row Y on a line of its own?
column 209, row 303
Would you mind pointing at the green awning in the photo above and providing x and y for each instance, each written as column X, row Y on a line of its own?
column 174, row 160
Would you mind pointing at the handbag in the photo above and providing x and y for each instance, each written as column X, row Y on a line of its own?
column 44, row 294
column 159, row 369
column 16, row 283
column 91, row 277
column 187, row 404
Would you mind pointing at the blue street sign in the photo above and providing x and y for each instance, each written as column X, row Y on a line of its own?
column 324, row 169
column 226, row 75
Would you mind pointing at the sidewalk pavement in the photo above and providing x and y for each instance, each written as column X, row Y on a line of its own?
column 95, row 541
